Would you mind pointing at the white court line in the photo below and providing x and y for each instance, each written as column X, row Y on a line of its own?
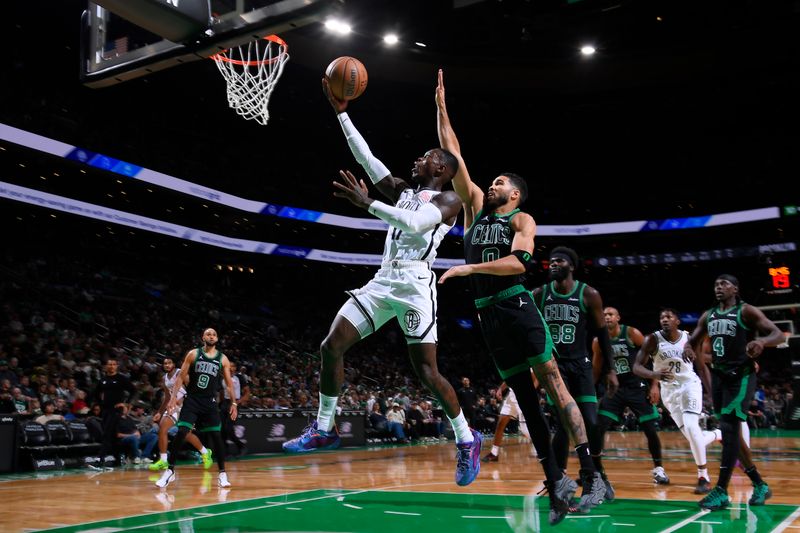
column 204, row 514
column 351, row 506
column 667, row 512
column 787, row 521
column 707, row 522
column 290, row 509
column 244, row 510
column 621, row 524
column 402, row 513
column 588, row 516
column 686, row 521
column 504, row 517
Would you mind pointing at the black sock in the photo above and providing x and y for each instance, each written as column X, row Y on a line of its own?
column 219, row 449
column 754, row 476
column 176, row 445
column 653, row 442
column 585, row 457
column 730, row 449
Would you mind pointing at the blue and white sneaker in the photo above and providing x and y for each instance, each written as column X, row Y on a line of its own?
column 313, row 439
column 468, row 460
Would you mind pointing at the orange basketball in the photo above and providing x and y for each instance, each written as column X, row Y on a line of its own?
column 346, row 77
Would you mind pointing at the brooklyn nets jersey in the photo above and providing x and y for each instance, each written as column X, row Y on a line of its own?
column 404, row 246
column 169, row 382
column 670, row 357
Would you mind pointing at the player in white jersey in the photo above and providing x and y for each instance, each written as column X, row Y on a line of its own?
column 403, row 288
column 167, row 419
column 508, row 410
column 681, row 388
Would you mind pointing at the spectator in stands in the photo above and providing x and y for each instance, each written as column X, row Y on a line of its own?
column 79, row 406
column 25, row 386
column 485, row 420
column 48, row 414
column 111, row 392
column 383, row 424
column 128, row 434
column 7, row 374
column 468, row 400
column 397, row 415
column 20, row 402
column 755, row 415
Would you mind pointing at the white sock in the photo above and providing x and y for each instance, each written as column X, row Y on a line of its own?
column 203, row 450
column 703, row 472
column 162, row 456
column 327, row 408
column 746, row 433
column 523, row 428
column 495, row 450
column 460, row 428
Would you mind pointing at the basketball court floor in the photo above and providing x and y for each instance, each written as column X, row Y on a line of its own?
column 403, row 489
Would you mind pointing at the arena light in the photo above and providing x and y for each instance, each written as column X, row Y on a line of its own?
column 338, row 26
column 390, row 39
column 588, row 50
column 421, row 45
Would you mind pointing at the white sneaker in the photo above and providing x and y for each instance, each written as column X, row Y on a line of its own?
column 137, row 460
column 223, row 480
column 166, row 478
column 717, row 435
column 659, row 476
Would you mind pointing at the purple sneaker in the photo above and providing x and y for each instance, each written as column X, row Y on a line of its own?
column 468, row 460
column 313, row 439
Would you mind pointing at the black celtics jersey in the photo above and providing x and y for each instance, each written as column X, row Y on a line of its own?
column 566, row 318
column 728, row 336
column 205, row 375
column 624, row 356
column 490, row 238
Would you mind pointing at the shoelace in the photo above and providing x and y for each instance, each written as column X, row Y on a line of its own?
column 462, row 458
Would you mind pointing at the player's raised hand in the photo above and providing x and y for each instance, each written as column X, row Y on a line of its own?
column 352, row 189
column 340, row 106
column 440, row 91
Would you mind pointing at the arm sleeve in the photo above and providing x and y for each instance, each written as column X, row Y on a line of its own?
column 419, row 221
column 375, row 169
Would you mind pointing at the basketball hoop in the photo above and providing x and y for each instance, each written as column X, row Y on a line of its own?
column 251, row 72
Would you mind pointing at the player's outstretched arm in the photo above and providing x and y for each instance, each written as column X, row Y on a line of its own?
column 771, row 335
column 444, row 206
column 176, row 387
column 597, row 328
column 700, row 331
column 226, row 374
column 378, row 173
column 469, row 193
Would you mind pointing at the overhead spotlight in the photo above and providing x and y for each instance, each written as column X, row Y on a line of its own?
column 588, row 50
column 390, row 38
column 337, row 26
column 422, row 45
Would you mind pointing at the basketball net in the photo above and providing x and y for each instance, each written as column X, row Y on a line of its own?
column 251, row 72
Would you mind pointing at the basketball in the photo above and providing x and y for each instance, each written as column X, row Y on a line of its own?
column 346, row 77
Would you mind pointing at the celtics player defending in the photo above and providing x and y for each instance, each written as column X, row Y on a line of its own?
column 167, row 419
column 680, row 388
column 574, row 314
column 403, row 288
column 730, row 327
column 205, row 368
column 625, row 343
column 498, row 246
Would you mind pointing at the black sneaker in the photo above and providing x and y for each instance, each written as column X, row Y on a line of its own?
column 703, row 486
column 489, row 458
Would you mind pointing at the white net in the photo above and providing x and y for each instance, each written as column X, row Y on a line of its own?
column 251, row 72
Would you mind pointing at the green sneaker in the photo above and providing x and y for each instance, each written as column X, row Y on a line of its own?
column 207, row 459
column 161, row 464
column 761, row 493
column 715, row 500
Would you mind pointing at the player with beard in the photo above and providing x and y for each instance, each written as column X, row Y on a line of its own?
column 404, row 288
column 498, row 247
column 203, row 370
column 731, row 328
column 574, row 314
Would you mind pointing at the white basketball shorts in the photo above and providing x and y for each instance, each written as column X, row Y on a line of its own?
column 405, row 290
column 511, row 408
column 679, row 398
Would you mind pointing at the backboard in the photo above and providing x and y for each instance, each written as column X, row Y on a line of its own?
column 114, row 49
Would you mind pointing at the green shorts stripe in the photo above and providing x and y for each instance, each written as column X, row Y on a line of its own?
column 608, row 414
column 585, row 399
column 185, row 425
column 211, row 428
column 651, row 416
column 736, row 404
